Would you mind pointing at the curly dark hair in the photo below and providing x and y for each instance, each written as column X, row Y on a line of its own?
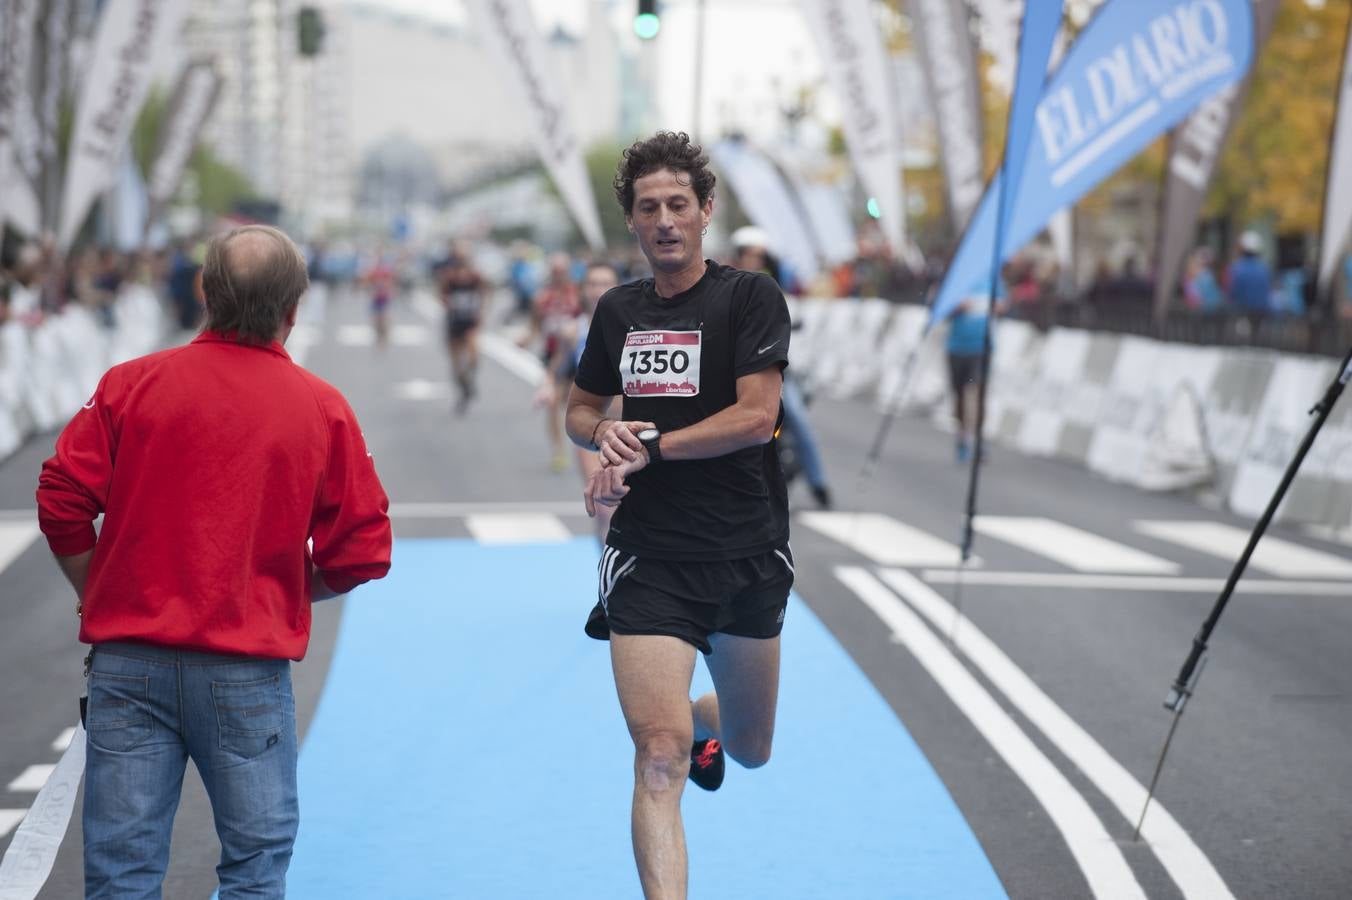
column 664, row 150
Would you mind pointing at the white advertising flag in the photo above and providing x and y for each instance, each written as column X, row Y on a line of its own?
column 856, row 67
column 769, row 204
column 514, row 41
column 945, row 44
column 132, row 38
column 19, row 133
column 180, row 128
column 1338, row 199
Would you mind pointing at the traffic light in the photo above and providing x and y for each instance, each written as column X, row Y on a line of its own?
column 646, row 22
column 310, row 31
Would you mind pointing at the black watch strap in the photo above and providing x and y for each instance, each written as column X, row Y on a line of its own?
column 653, row 445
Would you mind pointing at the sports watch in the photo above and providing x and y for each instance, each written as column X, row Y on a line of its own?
column 651, row 439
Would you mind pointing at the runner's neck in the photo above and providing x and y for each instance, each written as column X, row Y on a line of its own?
column 668, row 286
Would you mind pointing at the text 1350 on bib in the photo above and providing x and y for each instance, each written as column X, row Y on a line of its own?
column 660, row 364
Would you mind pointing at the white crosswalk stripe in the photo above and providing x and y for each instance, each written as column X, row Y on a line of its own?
column 1272, row 554
column 1072, row 547
column 882, row 538
column 14, row 540
column 31, row 779
column 10, row 819
column 517, row 528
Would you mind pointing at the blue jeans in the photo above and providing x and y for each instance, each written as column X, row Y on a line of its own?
column 795, row 417
column 150, row 710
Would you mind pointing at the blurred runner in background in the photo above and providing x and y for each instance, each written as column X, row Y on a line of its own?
column 380, row 279
column 555, row 312
column 463, row 292
column 561, row 368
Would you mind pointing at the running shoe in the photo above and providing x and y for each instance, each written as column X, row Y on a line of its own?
column 706, row 764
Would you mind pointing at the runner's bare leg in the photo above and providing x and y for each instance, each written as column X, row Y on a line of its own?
column 652, row 677
column 740, row 711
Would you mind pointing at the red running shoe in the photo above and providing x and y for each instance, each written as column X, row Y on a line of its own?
column 706, row 764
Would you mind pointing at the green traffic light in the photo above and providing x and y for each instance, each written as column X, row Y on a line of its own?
column 873, row 208
column 646, row 26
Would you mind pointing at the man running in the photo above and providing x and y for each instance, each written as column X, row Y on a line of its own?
column 554, row 311
column 697, row 555
column 561, row 369
column 462, row 293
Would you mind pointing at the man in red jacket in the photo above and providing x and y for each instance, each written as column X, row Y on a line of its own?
column 213, row 465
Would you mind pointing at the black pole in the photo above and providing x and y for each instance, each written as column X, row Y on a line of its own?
column 1188, row 676
column 1180, row 690
column 978, row 447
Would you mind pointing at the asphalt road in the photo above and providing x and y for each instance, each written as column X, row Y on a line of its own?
column 1040, row 710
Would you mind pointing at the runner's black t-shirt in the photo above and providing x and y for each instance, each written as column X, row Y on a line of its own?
column 676, row 361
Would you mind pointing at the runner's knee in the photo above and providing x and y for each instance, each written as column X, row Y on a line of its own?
column 661, row 761
column 749, row 752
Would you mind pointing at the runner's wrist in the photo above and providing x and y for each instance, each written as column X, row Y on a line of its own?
column 595, row 428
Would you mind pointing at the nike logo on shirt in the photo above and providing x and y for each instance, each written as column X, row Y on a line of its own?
column 766, row 348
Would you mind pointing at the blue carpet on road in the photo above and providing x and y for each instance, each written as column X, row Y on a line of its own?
column 469, row 744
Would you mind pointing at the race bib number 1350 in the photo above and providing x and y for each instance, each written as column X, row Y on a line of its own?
column 660, row 364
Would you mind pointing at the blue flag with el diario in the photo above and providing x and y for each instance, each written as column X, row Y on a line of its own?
column 1139, row 67
column 1041, row 19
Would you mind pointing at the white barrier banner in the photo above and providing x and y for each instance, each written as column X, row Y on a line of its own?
column 1338, row 199
column 515, row 42
column 132, row 38
column 856, row 66
column 32, row 852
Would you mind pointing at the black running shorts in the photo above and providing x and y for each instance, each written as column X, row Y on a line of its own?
column 964, row 369
column 692, row 600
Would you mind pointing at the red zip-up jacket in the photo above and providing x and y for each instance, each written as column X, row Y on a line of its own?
column 213, row 464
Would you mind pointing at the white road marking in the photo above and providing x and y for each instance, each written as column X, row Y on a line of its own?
column 63, row 740
column 1186, row 864
column 423, row 389
column 1089, row 842
column 356, row 335
column 521, row 363
column 426, row 305
column 882, row 539
column 1272, row 554
column 1070, row 546
column 1137, row 583
column 517, row 528
column 458, row 510
column 14, row 539
column 9, row 818
column 400, row 335
column 31, row 779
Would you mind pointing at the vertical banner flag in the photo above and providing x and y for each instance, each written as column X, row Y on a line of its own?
column 1136, row 69
column 949, row 62
column 1337, row 230
column 768, row 203
column 131, row 40
column 1194, row 147
column 1040, row 24
column 187, row 112
column 856, row 67
column 56, row 29
column 514, row 41
column 19, row 144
